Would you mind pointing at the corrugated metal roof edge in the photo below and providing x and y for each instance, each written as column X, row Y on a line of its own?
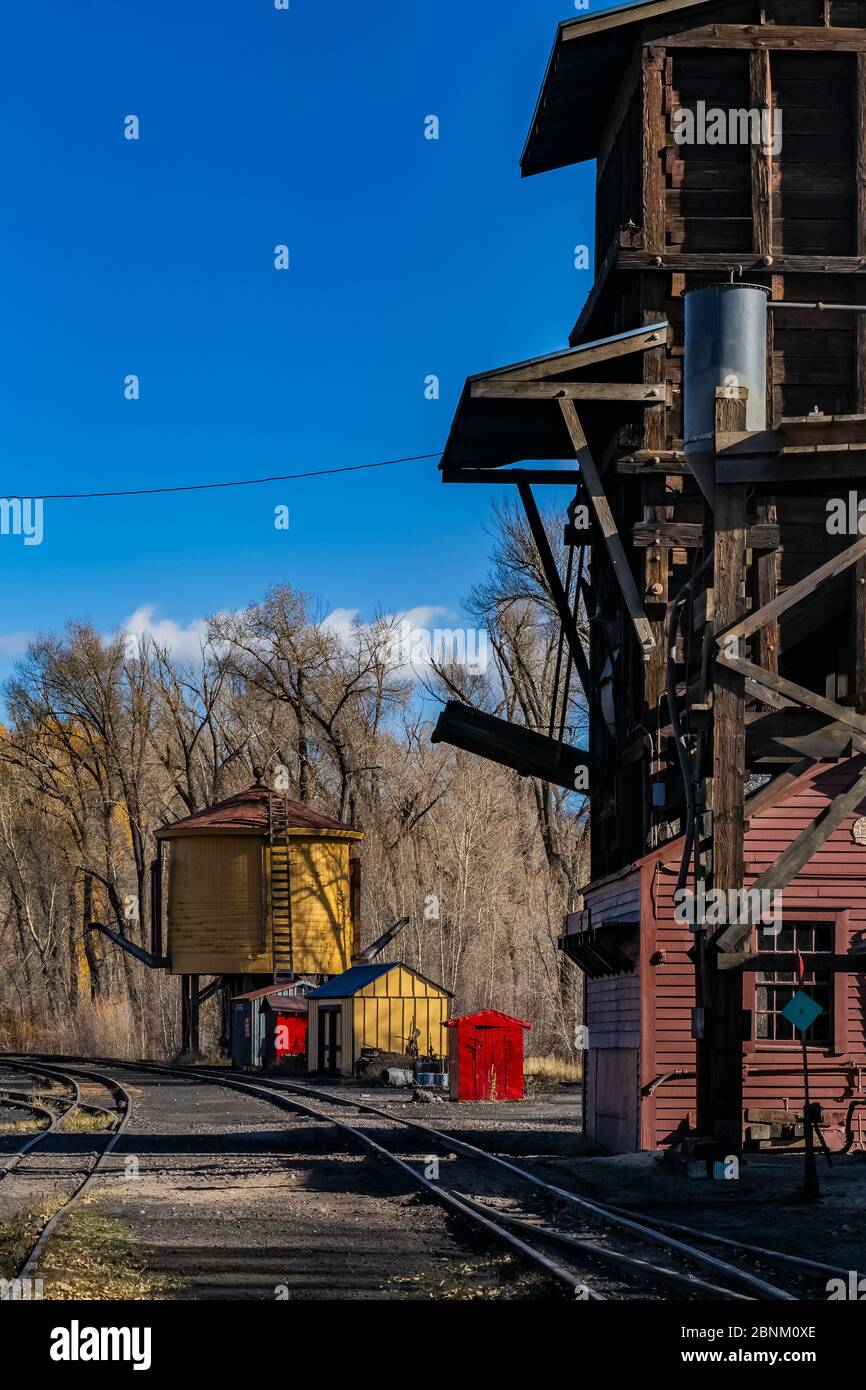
column 372, row 972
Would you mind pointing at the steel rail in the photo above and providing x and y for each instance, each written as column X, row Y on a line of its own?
column 656, row 1236
column 816, row 1266
column 51, row 1128
column 270, row 1087
column 124, row 1110
column 606, row 1252
column 274, row 1096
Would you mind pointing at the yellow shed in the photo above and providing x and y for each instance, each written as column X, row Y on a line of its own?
column 258, row 885
column 386, row 1005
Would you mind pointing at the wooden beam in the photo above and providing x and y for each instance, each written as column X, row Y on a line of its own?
column 468, row 473
column 778, row 875
column 821, row 962
column 670, row 259
column 650, row 470
column 618, row 113
column 687, row 535
column 761, row 93
column 770, row 794
column 783, row 37
column 766, row 590
column 653, row 144
column 579, row 356
column 860, row 128
column 802, row 589
column 569, row 390
column 802, row 466
column 656, row 502
column 749, row 442
column 786, row 736
column 859, row 605
column 798, row 693
column 607, row 525
column 762, row 693
column 719, row 1052
column 655, row 421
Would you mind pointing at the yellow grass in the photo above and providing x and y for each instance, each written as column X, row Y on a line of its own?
column 552, row 1069
column 86, row 1122
column 89, row 1257
column 99, row 1029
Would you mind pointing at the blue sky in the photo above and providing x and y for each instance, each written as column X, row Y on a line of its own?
column 155, row 257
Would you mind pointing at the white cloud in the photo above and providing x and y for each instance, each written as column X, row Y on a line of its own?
column 414, row 639
column 345, row 621
column 184, row 643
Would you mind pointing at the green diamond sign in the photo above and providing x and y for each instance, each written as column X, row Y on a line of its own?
column 801, row 1011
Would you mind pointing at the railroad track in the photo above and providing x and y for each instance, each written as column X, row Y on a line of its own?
column 515, row 1220
column 64, row 1107
column 686, row 1243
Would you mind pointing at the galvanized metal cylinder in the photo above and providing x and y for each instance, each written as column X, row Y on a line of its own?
column 725, row 345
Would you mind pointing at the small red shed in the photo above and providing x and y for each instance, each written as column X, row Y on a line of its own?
column 485, row 1056
column 288, row 1029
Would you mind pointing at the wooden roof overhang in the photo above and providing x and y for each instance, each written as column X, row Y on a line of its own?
column 577, row 93
column 594, row 945
column 512, row 413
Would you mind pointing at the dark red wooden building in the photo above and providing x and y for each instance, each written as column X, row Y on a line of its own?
column 640, row 1069
column 485, row 1056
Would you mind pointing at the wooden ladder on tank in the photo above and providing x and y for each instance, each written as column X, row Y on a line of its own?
column 280, row 887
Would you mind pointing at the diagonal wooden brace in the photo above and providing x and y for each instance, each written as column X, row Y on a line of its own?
column 798, row 693
column 604, row 517
column 789, row 863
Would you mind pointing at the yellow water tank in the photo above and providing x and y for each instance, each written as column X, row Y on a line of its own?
column 259, row 884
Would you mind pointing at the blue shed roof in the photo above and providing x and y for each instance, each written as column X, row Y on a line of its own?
column 345, row 985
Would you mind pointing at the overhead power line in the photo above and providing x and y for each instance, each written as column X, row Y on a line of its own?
column 207, row 487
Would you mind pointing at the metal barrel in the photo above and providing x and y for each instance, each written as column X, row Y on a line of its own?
column 725, row 345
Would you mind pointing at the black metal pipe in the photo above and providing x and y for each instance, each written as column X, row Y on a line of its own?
column 146, row 957
column 816, row 304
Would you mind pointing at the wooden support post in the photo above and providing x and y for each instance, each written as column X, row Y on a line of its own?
column 653, row 142
column 860, row 128
column 761, row 157
column 720, row 1054
column 859, row 576
column 189, row 1032
column 859, row 665
column 766, row 590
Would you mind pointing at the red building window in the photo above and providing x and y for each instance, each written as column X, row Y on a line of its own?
column 774, row 988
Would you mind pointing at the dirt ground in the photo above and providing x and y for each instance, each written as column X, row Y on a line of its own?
column 226, row 1197
column 212, row 1194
